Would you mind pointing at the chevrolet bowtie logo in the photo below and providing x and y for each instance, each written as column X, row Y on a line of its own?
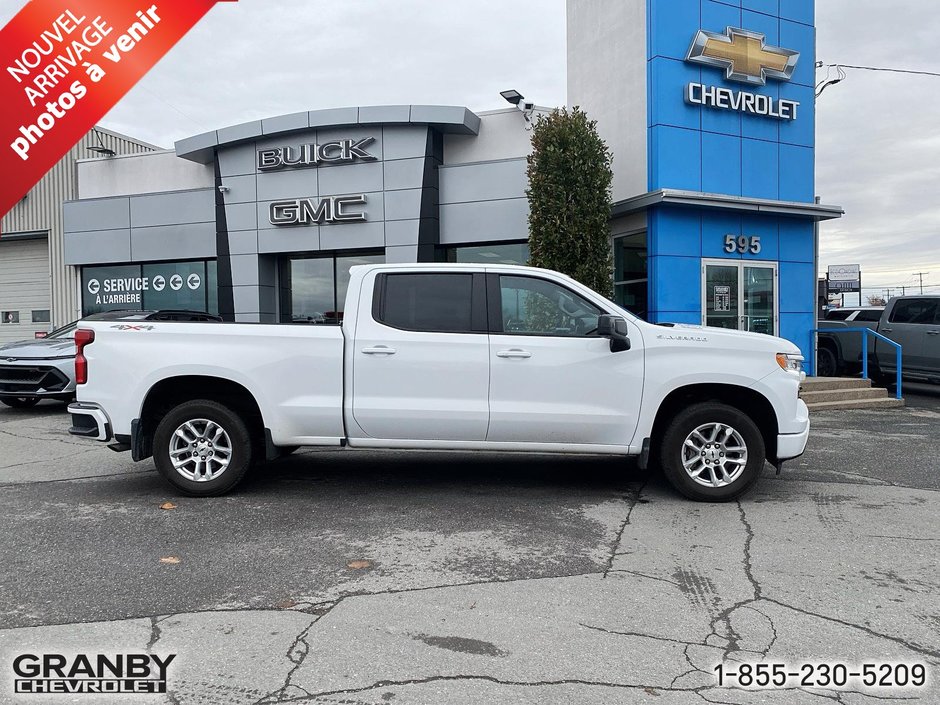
column 743, row 55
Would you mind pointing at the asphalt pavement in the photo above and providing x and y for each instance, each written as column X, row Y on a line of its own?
column 425, row 577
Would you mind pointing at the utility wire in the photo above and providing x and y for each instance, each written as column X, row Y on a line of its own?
column 888, row 70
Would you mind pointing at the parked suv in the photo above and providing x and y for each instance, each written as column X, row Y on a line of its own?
column 44, row 368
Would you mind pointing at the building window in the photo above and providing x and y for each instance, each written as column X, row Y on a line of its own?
column 313, row 289
column 190, row 286
column 11, row 317
column 488, row 253
column 41, row 316
column 631, row 278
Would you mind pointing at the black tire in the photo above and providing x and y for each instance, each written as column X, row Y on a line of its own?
column 827, row 364
column 672, row 451
column 20, row 402
column 241, row 451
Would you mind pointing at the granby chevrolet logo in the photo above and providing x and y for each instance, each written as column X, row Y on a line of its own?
column 746, row 58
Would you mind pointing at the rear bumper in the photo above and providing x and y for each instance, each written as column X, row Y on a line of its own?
column 89, row 421
column 792, row 445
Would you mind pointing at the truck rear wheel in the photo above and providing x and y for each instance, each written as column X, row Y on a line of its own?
column 202, row 448
column 712, row 452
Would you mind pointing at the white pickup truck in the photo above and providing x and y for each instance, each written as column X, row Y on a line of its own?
column 445, row 356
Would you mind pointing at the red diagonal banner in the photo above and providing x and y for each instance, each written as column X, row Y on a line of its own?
column 64, row 64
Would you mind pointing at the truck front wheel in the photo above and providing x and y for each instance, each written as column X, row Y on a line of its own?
column 712, row 452
column 202, row 448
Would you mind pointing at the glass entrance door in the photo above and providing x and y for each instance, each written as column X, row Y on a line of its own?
column 740, row 295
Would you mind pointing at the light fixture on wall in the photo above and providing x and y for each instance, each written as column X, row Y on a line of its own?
column 516, row 98
column 100, row 148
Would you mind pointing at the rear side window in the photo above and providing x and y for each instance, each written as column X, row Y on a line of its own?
column 839, row 314
column 914, row 311
column 868, row 316
column 439, row 303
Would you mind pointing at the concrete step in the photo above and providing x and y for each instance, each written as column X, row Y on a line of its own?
column 814, row 396
column 817, row 384
column 880, row 403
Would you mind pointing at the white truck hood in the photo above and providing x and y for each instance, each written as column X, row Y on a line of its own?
column 711, row 337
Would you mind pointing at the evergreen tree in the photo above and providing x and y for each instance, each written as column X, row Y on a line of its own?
column 569, row 199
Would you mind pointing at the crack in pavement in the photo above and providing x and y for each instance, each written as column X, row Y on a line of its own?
column 917, row 648
column 701, row 691
column 746, row 561
column 126, row 473
column 633, row 499
column 66, row 441
column 297, row 653
column 316, row 608
column 644, row 636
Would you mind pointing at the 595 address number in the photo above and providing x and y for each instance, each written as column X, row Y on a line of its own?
column 742, row 244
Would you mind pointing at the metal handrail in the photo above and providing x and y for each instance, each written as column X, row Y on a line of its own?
column 865, row 333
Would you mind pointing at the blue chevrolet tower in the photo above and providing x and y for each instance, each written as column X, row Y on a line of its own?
column 708, row 108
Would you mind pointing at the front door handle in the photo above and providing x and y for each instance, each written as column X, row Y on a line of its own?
column 379, row 350
column 885, row 330
column 514, row 353
column 933, row 332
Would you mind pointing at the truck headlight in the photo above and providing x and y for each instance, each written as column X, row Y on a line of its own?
column 790, row 362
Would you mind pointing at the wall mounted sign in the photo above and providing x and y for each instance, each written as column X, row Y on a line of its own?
column 310, row 155
column 745, row 58
column 309, row 211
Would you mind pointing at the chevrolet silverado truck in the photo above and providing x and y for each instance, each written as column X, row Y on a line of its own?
column 445, row 356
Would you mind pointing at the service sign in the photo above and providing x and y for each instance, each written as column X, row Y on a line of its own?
column 845, row 278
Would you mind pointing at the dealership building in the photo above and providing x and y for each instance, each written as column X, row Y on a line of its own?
column 707, row 107
column 38, row 289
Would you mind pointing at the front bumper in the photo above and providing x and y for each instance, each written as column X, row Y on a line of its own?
column 37, row 379
column 89, row 421
column 792, row 445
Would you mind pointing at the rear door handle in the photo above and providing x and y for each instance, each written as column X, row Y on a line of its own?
column 933, row 332
column 886, row 330
column 514, row 353
column 379, row 350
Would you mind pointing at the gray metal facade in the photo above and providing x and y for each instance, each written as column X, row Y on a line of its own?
column 415, row 199
column 40, row 211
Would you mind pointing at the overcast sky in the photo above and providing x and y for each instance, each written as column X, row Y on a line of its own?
column 878, row 141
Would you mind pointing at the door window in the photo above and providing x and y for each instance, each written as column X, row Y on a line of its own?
column 533, row 306
column 759, row 299
column 439, row 303
column 914, row 311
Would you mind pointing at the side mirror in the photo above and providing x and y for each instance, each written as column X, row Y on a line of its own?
column 615, row 328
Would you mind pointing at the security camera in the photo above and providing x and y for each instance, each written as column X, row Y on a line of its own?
column 514, row 97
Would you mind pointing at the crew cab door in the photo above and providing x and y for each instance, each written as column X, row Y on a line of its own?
column 552, row 379
column 421, row 357
column 909, row 322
